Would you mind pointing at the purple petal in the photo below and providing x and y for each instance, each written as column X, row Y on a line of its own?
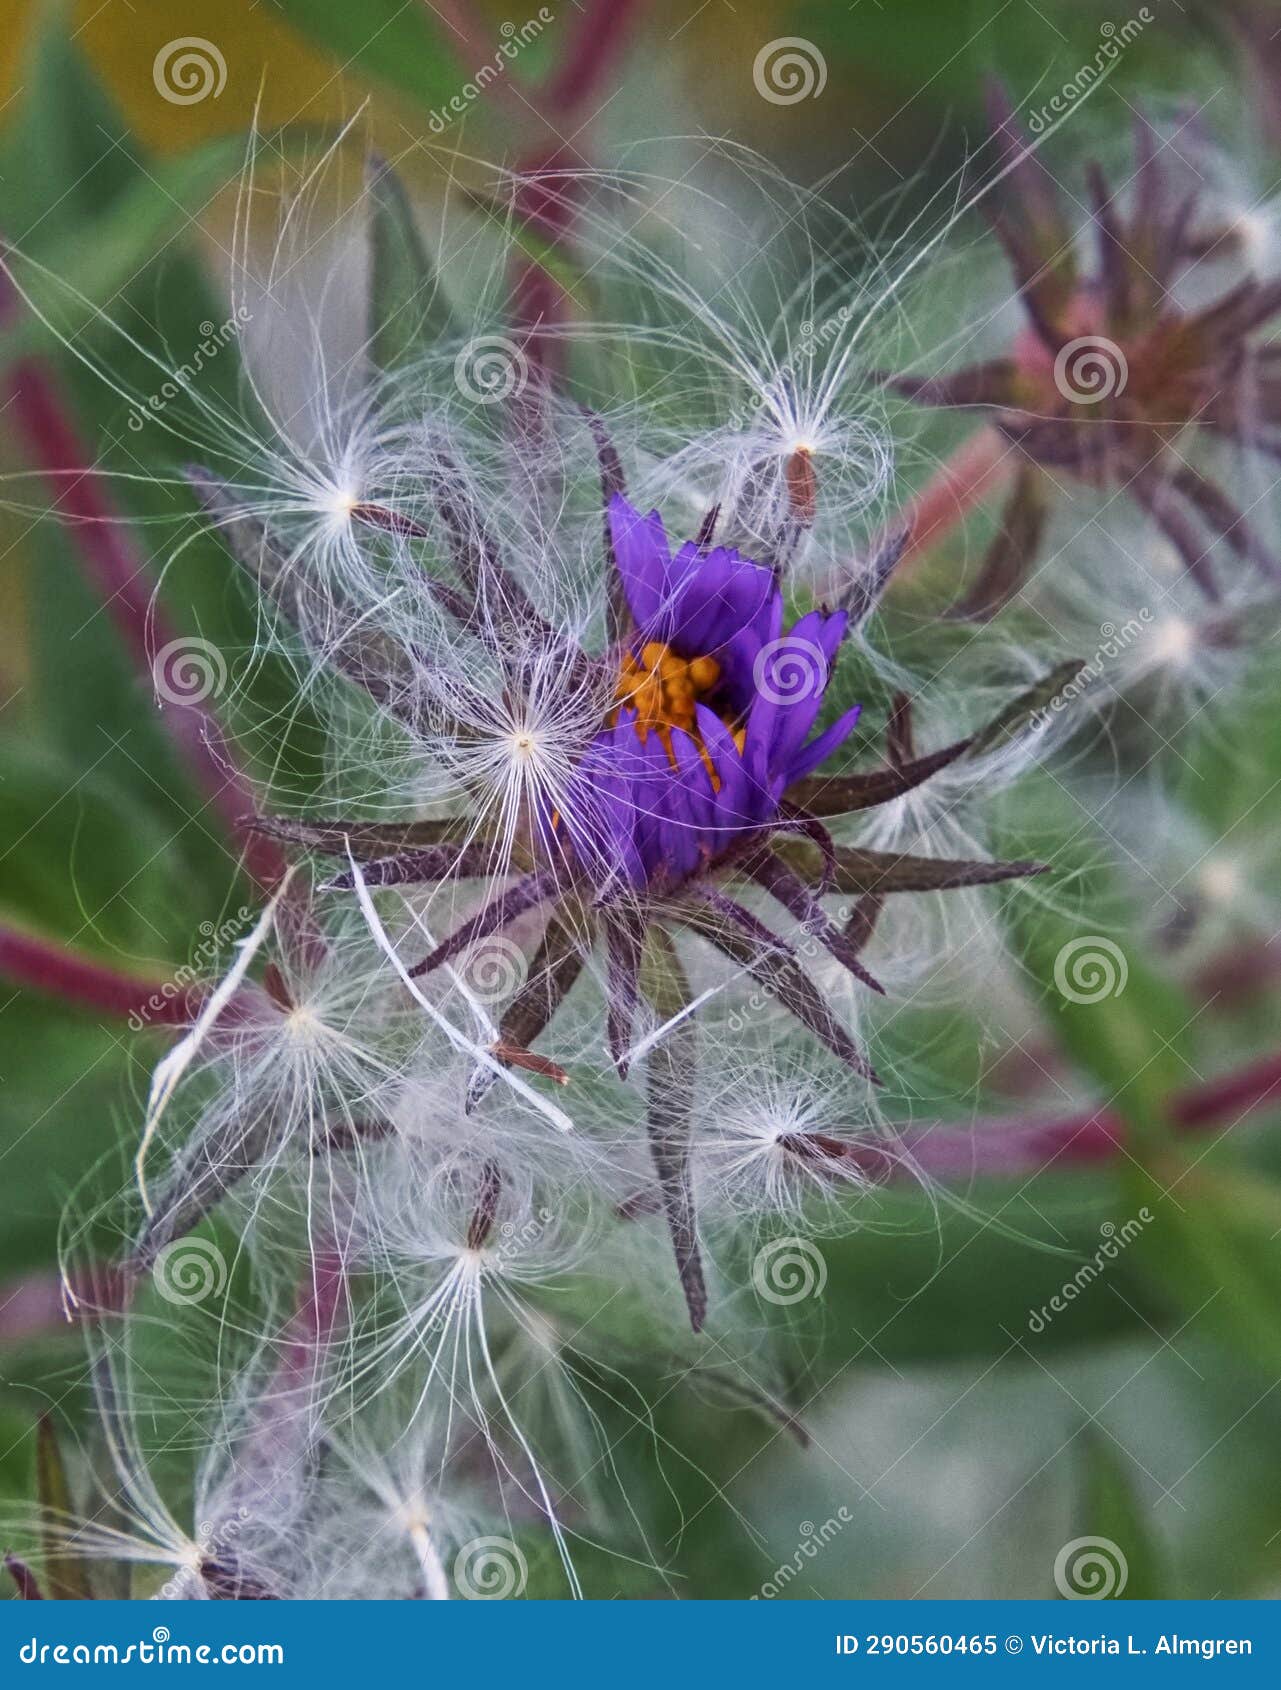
column 644, row 560
column 822, row 747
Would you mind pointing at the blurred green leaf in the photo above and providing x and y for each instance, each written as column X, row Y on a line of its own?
column 82, row 274
column 407, row 305
column 1123, row 1023
column 401, row 45
column 1214, row 1248
column 1111, row 1509
column 64, row 119
column 64, row 1574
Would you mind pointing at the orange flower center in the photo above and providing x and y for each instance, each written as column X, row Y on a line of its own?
column 664, row 690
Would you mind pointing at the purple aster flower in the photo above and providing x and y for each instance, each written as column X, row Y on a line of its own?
column 715, row 706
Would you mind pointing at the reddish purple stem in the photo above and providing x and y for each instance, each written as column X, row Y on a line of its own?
column 595, row 50
column 1009, row 1149
column 49, row 968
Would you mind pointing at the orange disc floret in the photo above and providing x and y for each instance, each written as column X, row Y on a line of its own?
column 664, row 689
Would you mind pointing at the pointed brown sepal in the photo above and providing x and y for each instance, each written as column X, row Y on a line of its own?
column 419, row 868
column 367, row 840
column 624, row 943
column 900, row 749
column 1163, row 505
column 485, row 1213
column 877, row 873
column 840, row 795
column 557, row 963
column 28, row 1585
column 1036, row 204
column 1230, row 524
column 771, row 963
column 671, row 1066
column 707, row 528
column 860, row 599
column 862, row 922
column 796, row 898
column 1021, row 712
column 612, row 481
column 524, row 894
